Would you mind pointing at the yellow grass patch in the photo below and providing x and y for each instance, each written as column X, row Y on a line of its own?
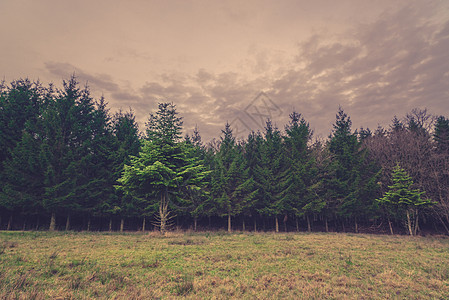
column 42, row 265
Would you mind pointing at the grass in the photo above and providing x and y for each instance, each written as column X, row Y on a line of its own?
column 43, row 265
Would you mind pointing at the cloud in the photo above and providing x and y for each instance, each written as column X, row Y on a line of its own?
column 118, row 96
column 374, row 70
column 102, row 82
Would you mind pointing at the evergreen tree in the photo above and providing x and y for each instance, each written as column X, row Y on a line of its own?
column 300, row 170
column 441, row 134
column 232, row 187
column 21, row 105
column 96, row 168
column 322, row 188
column 127, row 143
column 402, row 198
column 23, row 187
column 270, row 175
column 351, row 175
column 164, row 127
column 364, row 133
column 198, row 193
column 396, row 124
column 66, row 149
column 156, row 177
column 252, row 155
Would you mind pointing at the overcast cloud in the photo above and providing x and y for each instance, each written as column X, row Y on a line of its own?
column 213, row 58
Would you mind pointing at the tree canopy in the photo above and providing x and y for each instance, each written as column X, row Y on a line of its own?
column 67, row 162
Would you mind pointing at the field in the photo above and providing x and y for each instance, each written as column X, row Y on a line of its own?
column 42, row 265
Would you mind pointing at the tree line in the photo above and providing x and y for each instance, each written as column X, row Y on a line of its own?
column 67, row 163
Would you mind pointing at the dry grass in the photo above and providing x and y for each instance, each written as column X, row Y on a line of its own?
column 42, row 265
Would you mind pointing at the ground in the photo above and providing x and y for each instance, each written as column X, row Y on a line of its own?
column 42, row 265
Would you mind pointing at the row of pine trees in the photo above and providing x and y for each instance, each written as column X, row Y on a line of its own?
column 67, row 163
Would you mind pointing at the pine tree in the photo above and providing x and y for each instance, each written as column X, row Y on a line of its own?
column 322, row 188
column 364, row 133
column 23, row 188
column 396, row 124
column 270, row 175
column 127, row 144
column 156, row 177
column 402, row 198
column 21, row 104
column 353, row 181
column 252, row 155
column 197, row 194
column 164, row 126
column 232, row 187
column 441, row 134
column 300, row 169
column 95, row 187
column 67, row 129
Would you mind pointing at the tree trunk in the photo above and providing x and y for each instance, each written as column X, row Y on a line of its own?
column 229, row 222
column 391, row 226
column 327, row 225
column 9, row 223
column 309, row 227
column 195, row 221
column 297, row 223
column 52, row 222
column 356, row 225
column 209, row 226
column 122, row 224
column 255, row 224
column 88, row 224
column 163, row 212
column 344, row 228
column 243, row 224
column 110, row 224
column 277, row 224
column 416, row 222
column 37, row 222
column 67, row 223
column 143, row 224
column 24, row 224
column 285, row 223
column 409, row 225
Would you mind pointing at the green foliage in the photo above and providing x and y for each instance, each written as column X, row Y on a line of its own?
column 164, row 168
column 441, row 134
column 401, row 193
column 354, row 191
column 164, row 126
column 197, row 192
column 271, row 173
column 401, row 197
column 20, row 172
column 232, row 186
column 300, row 182
column 62, row 154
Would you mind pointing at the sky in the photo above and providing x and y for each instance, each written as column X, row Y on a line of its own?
column 239, row 62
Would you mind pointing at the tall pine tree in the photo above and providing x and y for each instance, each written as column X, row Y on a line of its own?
column 232, row 187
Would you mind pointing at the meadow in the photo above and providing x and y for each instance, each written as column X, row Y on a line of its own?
column 71, row 265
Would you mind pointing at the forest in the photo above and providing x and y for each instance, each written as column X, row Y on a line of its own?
column 67, row 163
